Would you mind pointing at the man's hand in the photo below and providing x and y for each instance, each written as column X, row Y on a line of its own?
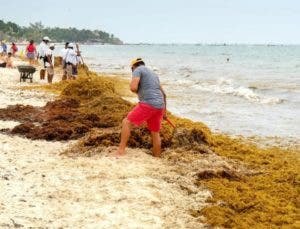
column 165, row 114
column 134, row 84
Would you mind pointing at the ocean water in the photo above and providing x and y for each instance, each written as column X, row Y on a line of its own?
column 235, row 89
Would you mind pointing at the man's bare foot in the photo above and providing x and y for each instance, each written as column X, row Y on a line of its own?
column 156, row 154
column 119, row 153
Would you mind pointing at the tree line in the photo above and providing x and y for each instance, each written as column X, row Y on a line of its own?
column 35, row 31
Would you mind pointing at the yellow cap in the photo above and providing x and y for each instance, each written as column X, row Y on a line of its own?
column 135, row 61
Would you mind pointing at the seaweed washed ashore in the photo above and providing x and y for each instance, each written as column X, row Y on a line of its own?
column 257, row 188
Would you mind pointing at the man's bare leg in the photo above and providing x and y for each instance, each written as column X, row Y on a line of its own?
column 125, row 133
column 50, row 78
column 156, row 141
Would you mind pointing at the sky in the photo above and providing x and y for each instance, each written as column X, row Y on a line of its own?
column 168, row 21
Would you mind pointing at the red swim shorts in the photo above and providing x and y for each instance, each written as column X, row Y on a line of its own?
column 144, row 112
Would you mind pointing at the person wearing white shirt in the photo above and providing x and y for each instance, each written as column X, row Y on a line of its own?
column 42, row 49
column 71, row 60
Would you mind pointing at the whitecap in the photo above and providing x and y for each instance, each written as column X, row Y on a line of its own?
column 226, row 86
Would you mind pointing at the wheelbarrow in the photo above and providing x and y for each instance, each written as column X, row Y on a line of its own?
column 26, row 72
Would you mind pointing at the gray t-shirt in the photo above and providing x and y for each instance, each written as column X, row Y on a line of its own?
column 149, row 87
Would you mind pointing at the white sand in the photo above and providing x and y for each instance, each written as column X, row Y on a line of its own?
column 10, row 92
column 40, row 188
column 8, row 124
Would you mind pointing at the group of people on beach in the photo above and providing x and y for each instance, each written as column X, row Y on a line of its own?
column 6, row 55
column 151, row 108
column 4, row 49
column 70, row 57
column 43, row 53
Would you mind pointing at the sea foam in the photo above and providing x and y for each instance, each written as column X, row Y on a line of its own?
column 227, row 87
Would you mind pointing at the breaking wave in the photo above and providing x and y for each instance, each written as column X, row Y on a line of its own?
column 227, row 87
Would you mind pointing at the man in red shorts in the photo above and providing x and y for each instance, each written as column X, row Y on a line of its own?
column 150, row 109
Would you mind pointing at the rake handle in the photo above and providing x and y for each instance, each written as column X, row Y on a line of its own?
column 170, row 122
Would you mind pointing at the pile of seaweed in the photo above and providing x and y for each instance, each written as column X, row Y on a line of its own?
column 92, row 102
column 57, row 120
column 98, row 95
column 267, row 198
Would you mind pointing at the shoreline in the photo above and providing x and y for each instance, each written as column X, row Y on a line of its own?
column 197, row 168
column 292, row 143
column 215, row 102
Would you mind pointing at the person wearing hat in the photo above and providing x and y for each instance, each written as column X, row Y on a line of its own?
column 150, row 109
column 71, row 61
column 43, row 47
column 41, row 54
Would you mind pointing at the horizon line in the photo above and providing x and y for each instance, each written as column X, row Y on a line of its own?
column 210, row 43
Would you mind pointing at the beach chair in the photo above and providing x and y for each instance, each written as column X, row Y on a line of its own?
column 26, row 72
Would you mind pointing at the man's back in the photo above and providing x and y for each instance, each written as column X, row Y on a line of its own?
column 71, row 57
column 149, row 87
column 42, row 49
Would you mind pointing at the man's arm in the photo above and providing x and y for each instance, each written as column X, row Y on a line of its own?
column 165, row 100
column 50, row 60
column 134, row 84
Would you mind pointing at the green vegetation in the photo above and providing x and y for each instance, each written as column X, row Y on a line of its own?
column 35, row 31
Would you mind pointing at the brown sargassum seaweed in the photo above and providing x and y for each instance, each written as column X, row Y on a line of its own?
column 91, row 107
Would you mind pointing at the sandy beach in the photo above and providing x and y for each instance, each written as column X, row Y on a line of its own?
column 42, row 189
column 60, row 184
column 150, row 123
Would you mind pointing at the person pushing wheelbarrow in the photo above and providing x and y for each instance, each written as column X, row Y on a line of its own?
column 150, row 109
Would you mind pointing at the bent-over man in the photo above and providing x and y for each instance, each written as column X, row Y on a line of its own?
column 150, row 109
